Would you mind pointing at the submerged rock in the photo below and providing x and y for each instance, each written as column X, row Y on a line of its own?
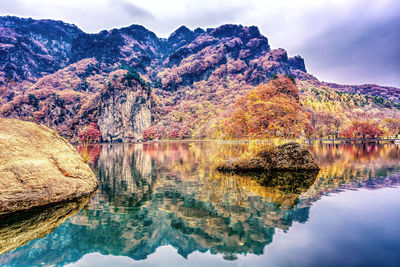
column 38, row 167
column 288, row 157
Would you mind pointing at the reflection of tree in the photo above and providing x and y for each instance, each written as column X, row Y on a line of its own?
column 93, row 150
column 166, row 193
column 354, row 166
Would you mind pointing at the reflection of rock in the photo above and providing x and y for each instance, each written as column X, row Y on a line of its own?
column 22, row 227
column 38, row 167
column 282, row 188
column 224, row 215
column 288, row 157
column 124, row 172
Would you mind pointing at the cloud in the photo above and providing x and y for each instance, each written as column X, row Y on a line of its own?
column 203, row 14
column 133, row 10
column 357, row 50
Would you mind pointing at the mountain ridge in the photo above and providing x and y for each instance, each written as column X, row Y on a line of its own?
column 109, row 43
column 129, row 81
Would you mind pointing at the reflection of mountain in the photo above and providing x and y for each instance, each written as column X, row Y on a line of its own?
column 22, row 227
column 159, row 194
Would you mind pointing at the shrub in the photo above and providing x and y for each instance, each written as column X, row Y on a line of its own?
column 90, row 133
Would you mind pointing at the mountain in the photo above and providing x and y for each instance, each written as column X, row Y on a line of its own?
column 129, row 81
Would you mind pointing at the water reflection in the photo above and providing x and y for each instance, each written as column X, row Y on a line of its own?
column 167, row 194
column 19, row 228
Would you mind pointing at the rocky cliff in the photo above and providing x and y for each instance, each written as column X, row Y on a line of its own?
column 124, row 110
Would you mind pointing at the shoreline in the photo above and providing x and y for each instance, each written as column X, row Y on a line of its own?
column 258, row 141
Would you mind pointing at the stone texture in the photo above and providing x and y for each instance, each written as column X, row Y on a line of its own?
column 38, row 167
column 288, row 157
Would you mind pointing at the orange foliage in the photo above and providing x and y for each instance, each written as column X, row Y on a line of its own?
column 269, row 110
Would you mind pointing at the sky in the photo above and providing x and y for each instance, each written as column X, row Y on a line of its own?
column 343, row 41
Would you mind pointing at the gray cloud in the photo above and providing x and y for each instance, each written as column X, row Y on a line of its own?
column 133, row 10
column 357, row 51
column 203, row 16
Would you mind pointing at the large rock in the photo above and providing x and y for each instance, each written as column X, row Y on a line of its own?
column 38, row 167
column 288, row 157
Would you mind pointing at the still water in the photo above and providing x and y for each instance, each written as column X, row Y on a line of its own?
column 163, row 205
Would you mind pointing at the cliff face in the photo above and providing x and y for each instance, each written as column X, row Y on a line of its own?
column 124, row 111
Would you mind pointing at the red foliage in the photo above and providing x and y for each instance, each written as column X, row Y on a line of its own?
column 151, row 133
column 90, row 133
column 173, row 134
column 363, row 129
column 184, row 132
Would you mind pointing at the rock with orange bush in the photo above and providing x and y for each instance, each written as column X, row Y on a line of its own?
column 287, row 157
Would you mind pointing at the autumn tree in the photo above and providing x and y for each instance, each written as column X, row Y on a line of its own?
column 90, row 133
column 269, row 110
column 364, row 129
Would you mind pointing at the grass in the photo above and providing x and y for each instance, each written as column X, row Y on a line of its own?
column 85, row 151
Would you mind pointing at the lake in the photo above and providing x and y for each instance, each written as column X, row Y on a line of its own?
column 161, row 204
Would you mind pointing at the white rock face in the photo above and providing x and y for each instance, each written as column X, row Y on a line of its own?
column 125, row 113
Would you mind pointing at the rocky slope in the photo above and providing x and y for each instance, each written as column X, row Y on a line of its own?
column 53, row 73
column 387, row 92
column 38, row 167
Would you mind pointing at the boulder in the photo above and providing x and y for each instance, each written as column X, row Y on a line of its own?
column 38, row 167
column 288, row 157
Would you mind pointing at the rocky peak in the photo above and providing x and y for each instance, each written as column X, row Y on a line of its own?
column 32, row 48
column 245, row 33
column 52, row 29
column 138, row 32
column 181, row 37
column 181, row 32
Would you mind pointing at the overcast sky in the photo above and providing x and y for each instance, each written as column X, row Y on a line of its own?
column 344, row 41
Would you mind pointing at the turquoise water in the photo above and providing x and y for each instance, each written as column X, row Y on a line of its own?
column 163, row 205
